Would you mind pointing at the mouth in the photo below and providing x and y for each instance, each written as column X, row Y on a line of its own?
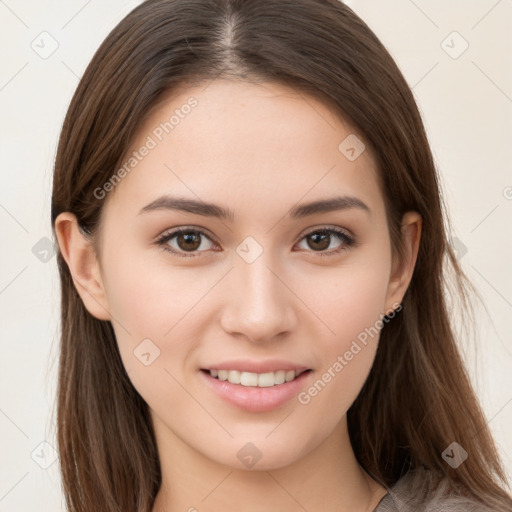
column 256, row 380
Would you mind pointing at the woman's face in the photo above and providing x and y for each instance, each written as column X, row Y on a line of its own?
column 261, row 289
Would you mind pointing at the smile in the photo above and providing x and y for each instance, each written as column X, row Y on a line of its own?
column 261, row 380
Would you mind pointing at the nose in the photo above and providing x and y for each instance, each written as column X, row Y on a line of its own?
column 259, row 302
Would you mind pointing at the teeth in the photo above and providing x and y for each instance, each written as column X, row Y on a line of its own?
column 280, row 377
column 246, row 378
column 261, row 380
column 233, row 376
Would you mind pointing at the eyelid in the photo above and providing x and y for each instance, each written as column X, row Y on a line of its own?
column 176, row 230
column 205, row 232
column 325, row 227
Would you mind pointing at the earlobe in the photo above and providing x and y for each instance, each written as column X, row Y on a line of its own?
column 78, row 252
column 402, row 271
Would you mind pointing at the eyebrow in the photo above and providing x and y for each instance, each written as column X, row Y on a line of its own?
column 181, row 204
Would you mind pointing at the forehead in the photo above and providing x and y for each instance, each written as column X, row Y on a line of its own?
column 249, row 144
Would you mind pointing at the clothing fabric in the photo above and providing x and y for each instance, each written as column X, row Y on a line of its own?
column 418, row 491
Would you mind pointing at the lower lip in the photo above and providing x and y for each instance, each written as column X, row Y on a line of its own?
column 256, row 399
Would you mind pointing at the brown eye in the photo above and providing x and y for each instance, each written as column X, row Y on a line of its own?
column 186, row 241
column 320, row 240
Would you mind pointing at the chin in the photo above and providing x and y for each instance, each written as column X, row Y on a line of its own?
column 260, row 455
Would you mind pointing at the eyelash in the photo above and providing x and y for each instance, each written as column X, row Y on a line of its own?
column 347, row 240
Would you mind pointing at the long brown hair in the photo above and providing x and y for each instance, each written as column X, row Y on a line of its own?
column 418, row 398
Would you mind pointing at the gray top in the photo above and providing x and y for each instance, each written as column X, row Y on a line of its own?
column 418, row 492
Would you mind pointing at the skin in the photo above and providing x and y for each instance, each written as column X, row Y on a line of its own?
column 258, row 150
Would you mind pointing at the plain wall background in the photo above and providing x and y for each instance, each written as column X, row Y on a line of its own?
column 466, row 102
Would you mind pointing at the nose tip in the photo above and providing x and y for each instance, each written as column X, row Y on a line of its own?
column 261, row 307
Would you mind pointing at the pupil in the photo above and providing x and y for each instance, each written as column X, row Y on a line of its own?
column 325, row 240
column 188, row 237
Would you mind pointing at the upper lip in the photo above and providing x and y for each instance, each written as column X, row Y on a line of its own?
column 244, row 365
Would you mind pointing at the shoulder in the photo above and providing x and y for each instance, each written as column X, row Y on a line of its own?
column 420, row 490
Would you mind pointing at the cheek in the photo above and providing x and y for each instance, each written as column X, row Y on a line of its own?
column 346, row 300
column 149, row 297
column 150, row 305
column 351, row 305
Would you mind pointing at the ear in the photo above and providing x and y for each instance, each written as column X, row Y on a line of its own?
column 78, row 252
column 401, row 273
